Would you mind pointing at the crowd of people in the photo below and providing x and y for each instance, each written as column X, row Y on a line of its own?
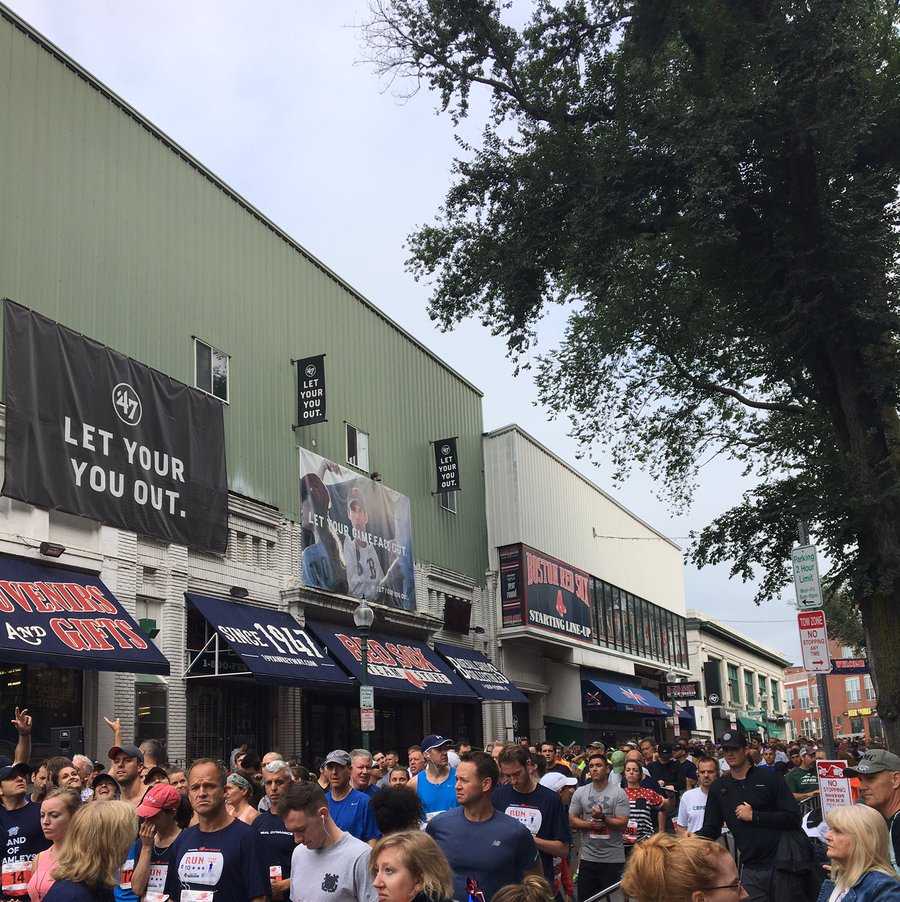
column 511, row 823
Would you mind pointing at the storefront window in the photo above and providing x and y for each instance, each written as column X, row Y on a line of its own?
column 150, row 711
column 52, row 694
column 734, row 684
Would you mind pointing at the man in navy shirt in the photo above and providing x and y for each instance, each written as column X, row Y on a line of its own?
column 221, row 855
column 349, row 808
column 486, row 848
column 277, row 842
column 534, row 806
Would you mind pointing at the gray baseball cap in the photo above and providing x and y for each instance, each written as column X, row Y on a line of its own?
column 874, row 762
column 338, row 756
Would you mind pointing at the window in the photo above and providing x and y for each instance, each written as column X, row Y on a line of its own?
column 789, row 692
column 814, row 695
column 749, row 691
column 763, row 692
column 211, row 370
column 448, row 501
column 851, row 684
column 776, row 695
column 856, row 725
column 734, row 684
column 847, row 652
column 870, row 688
column 357, row 448
column 803, row 697
column 150, row 709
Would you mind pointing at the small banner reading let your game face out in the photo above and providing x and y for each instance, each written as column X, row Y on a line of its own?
column 446, row 465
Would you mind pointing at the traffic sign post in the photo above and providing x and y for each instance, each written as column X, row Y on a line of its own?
column 814, row 641
column 367, row 709
column 807, row 585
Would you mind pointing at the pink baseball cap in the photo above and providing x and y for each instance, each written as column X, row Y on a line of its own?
column 161, row 797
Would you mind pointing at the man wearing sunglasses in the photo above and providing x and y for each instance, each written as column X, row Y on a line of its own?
column 757, row 806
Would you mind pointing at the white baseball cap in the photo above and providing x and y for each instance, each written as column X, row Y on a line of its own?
column 555, row 781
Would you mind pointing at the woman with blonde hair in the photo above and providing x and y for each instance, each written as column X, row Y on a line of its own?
column 857, row 845
column 409, row 867
column 57, row 810
column 531, row 889
column 92, row 853
column 666, row 868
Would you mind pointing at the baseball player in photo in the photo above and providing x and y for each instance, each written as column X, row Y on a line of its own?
column 364, row 572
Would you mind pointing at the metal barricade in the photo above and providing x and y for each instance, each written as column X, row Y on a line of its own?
column 610, row 894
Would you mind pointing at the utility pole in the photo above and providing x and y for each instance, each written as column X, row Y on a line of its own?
column 821, row 678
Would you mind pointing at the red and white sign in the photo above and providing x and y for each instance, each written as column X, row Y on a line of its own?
column 834, row 787
column 814, row 641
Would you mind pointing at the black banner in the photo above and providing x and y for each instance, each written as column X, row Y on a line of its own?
column 92, row 432
column 446, row 465
column 712, row 679
column 311, row 390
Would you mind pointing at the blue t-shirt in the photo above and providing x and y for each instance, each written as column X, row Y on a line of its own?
column 541, row 812
column 276, row 845
column 436, row 797
column 227, row 861
column 354, row 814
column 122, row 891
column 66, row 891
column 22, row 834
column 483, row 855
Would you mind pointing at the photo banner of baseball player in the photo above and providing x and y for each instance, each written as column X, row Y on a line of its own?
column 92, row 432
column 446, row 465
column 311, row 397
column 356, row 534
column 548, row 592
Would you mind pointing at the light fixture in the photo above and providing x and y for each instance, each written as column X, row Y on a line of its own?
column 376, row 477
column 478, row 630
column 238, row 591
column 363, row 616
column 51, row 549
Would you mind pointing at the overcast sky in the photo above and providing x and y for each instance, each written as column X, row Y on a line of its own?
column 274, row 99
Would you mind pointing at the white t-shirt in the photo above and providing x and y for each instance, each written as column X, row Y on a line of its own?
column 364, row 571
column 692, row 809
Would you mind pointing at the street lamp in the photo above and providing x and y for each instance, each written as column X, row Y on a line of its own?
column 363, row 618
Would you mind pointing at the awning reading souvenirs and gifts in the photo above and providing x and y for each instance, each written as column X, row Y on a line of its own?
column 66, row 618
column 396, row 664
column 272, row 645
column 480, row 674
column 620, row 697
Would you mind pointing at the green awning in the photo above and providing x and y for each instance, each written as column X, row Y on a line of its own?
column 775, row 729
column 749, row 724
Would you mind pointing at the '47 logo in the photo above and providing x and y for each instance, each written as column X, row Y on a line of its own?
column 127, row 404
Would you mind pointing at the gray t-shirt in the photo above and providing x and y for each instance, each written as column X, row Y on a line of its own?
column 606, row 844
column 338, row 873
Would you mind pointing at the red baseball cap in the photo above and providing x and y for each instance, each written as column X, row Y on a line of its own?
column 161, row 797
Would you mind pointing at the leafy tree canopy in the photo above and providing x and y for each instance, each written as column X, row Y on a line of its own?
column 711, row 188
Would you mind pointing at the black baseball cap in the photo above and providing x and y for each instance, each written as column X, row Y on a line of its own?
column 664, row 748
column 733, row 741
column 15, row 770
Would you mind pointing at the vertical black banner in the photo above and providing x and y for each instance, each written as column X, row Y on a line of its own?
column 712, row 680
column 446, row 465
column 311, row 390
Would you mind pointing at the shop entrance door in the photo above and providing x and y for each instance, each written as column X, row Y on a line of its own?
column 222, row 717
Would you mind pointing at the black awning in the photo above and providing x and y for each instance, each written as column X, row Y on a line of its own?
column 480, row 673
column 272, row 645
column 52, row 615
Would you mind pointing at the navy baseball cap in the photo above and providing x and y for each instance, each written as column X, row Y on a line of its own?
column 129, row 751
column 14, row 770
column 435, row 742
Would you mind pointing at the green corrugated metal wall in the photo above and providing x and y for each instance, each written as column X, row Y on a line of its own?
column 106, row 229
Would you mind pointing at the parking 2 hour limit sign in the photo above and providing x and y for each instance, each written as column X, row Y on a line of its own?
column 814, row 641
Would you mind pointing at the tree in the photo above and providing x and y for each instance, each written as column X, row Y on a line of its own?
column 711, row 188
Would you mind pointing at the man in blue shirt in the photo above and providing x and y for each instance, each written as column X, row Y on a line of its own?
column 436, row 784
column 349, row 808
column 486, row 849
column 220, row 858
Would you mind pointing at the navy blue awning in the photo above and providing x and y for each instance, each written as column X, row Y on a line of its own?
column 272, row 645
column 622, row 697
column 396, row 664
column 52, row 615
column 479, row 673
column 687, row 716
